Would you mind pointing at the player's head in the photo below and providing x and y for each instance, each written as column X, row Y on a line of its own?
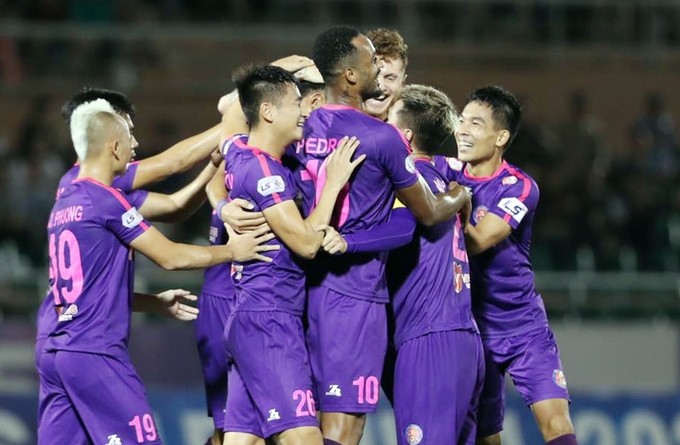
column 346, row 58
column 269, row 95
column 119, row 101
column 488, row 124
column 313, row 96
column 98, row 130
column 426, row 117
column 392, row 53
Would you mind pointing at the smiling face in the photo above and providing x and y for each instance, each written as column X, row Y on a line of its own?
column 365, row 63
column 391, row 79
column 289, row 117
column 479, row 137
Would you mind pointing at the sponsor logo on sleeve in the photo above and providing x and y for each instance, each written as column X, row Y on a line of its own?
column 131, row 218
column 514, row 207
column 270, row 185
column 410, row 166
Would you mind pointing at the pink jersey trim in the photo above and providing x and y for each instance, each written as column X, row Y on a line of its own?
column 498, row 171
column 116, row 194
column 267, row 171
column 527, row 184
column 257, row 151
column 338, row 107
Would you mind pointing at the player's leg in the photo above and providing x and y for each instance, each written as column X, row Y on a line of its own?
column 299, row 436
column 209, row 329
column 242, row 423
column 492, row 400
column 269, row 351
column 434, row 386
column 538, row 376
column 58, row 421
column 111, row 401
column 347, row 338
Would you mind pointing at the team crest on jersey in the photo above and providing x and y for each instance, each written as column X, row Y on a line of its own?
column 410, row 166
column 414, row 434
column 559, row 378
column 236, row 271
column 455, row 164
column 270, row 185
column 479, row 213
column 131, row 218
column 70, row 312
column 509, row 180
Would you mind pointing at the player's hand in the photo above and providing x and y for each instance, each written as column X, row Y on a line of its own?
column 216, row 158
column 172, row 305
column 309, row 74
column 339, row 166
column 293, row 63
column 333, row 243
column 248, row 246
column 239, row 216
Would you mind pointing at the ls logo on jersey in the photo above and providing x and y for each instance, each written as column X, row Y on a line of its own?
column 131, row 218
column 414, row 434
column 514, row 207
column 270, row 185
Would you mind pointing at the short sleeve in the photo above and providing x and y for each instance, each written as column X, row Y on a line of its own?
column 120, row 216
column 126, row 181
column 518, row 196
column 267, row 182
column 226, row 145
column 394, row 154
column 432, row 176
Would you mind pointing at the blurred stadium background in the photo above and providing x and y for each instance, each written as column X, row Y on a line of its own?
column 599, row 83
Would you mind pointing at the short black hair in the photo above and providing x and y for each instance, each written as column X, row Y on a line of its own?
column 307, row 87
column 430, row 114
column 260, row 83
column 119, row 101
column 332, row 47
column 507, row 112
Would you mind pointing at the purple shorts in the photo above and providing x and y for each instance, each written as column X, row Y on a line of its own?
column 90, row 398
column 437, row 383
column 270, row 381
column 533, row 362
column 209, row 330
column 347, row 339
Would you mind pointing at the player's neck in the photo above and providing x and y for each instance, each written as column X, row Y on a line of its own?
column 484, row 168
column 419, row 154
column 267, row 142
column 97, row 171
column 339, row 95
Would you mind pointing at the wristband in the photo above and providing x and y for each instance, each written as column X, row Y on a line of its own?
column 218, row 208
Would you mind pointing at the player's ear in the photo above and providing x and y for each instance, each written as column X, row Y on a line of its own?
column 502, row 138
column 350, row 75
column 318, row 99
column 267, row 112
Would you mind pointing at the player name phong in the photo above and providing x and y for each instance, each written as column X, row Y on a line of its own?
column 64, row 216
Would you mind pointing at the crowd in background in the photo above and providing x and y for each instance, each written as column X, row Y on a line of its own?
column 602, row 207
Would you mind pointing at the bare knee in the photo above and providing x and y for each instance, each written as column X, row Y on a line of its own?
column 345, row 429
column 494, row 439
column 552, row 417
column 305, row 435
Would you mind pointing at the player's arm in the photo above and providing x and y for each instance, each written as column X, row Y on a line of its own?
column 169, row 303
column 430, row 209
column 177, row 256
column 303, row 236
column 490, row 231
column 177, row 158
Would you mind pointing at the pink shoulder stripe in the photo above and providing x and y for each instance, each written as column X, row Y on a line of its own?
column 268, row 172
column 116, row 194
column 525, row 181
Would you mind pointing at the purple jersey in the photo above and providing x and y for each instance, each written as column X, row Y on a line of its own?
column 217, row 279
column 91, row 267
column 259, row 178
column 123, row 182
column 429, row 278
column 505, row 301
column 369, row 196
column 45, row 317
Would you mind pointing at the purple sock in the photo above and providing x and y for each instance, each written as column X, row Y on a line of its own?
column 567, row 439
column 330, row 442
